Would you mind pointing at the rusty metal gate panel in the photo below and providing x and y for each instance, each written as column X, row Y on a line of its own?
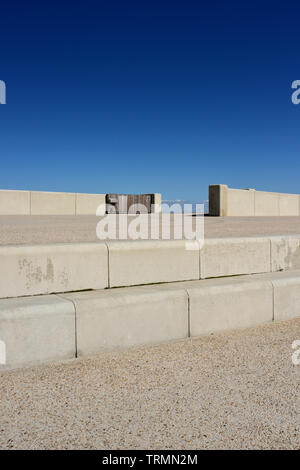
column 139, row 203
column 125, row 203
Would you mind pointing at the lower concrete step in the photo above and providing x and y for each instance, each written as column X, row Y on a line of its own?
column 40, row 329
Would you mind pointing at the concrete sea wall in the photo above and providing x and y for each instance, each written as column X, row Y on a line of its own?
column 224, row 201
column 56, row 203
column 49, row 203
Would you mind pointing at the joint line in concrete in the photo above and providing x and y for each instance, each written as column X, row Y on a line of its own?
column 108, row 276
column 188, row 314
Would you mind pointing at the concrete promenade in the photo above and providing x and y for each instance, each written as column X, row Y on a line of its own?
column 70, row 229
column 234, row 390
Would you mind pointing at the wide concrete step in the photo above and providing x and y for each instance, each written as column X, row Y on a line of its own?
column 56, row 268
column 40, row 329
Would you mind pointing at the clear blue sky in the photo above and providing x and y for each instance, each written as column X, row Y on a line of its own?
column 149, row 96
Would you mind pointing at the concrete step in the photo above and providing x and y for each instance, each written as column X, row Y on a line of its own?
column 56, row 268
column 45, row 328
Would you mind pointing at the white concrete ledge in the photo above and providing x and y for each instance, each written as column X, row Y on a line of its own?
column 36, row 330
column 56, row 268
column 120, row 318
column 223, row 304
column 146, row 262
column 233, row 256
column 44, row 269
column 50, row 328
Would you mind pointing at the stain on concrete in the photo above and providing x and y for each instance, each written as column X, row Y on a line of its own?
column 33, row 273
column 50, row 271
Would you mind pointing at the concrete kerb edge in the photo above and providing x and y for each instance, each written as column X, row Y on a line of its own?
column 75, row 320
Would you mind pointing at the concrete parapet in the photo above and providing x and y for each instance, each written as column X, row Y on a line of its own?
column 146, row 262
column 36, row 330
column 120, row 318
column 240, row 201
column 289, row 204
column 90, row 204
column 43, row 269
column 14, row 202
column 232, row 256
column 266, row 203
column 50, row 203
column 224, row 201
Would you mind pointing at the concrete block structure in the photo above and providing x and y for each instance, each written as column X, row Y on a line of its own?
column 224, row 201
column 14, row 202
column 51, row 203
column 50, row 327
column 87, row 204
column 233, row 256
column 55, row 268
column 149, row 261
column 285, row 253
column 60, row 203
column 286, row 295
column 121, row 318
column 37, row 330
column 223, row 304
column 44, row 269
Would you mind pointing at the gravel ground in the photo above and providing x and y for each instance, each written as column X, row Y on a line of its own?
column 224, row 391
column 58, row 229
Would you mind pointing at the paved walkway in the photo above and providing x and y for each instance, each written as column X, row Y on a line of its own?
column 224, row 391
column 56, row 229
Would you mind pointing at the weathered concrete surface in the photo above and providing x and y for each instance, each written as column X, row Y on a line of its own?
column 285, row 253
column 236, row 390
column 70, row 229
column 146, row 262
column 233, row 256
column 223, row 304
column 119, row 318
column 55, row 268
column 44, row 269
column 37, row 330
